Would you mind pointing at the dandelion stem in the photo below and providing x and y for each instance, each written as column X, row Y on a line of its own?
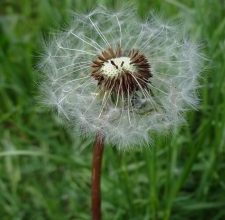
column 96, row 176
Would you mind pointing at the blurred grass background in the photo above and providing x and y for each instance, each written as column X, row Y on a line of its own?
column 45, row 172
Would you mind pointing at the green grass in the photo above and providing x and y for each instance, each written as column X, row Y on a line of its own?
column 45, row 172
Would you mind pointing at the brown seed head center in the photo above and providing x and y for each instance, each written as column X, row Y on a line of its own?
column 121, row 72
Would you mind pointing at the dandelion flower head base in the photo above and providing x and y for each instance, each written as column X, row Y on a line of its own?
column 120, row 72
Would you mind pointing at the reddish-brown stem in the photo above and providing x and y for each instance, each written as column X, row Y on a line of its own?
column 96, row 176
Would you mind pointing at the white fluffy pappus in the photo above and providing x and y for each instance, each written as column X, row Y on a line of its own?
column 126, row 116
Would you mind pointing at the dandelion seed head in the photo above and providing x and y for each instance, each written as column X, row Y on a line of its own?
column 109, row 71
